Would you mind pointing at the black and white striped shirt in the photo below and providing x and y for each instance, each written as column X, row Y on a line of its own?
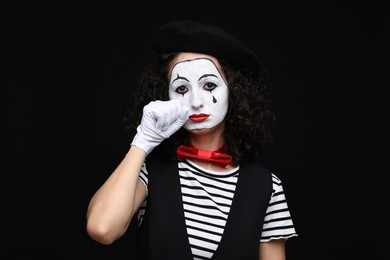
column 207, row 197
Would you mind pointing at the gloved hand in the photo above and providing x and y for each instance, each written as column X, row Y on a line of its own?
column 159, row 121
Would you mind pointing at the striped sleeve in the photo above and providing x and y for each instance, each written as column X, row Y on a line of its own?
column 143, row 176
column 278, row 223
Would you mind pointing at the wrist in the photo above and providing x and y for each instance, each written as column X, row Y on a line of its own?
column 142, row 143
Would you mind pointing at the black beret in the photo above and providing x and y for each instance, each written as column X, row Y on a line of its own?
column 191, row 36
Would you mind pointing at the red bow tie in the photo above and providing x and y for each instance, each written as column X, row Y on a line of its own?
column 217, row 157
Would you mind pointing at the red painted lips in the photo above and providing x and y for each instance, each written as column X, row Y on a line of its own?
column 198, row 117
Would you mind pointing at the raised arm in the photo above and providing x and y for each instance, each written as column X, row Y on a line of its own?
column 114, row 204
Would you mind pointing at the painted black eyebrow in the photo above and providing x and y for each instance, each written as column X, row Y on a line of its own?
column 207, row 75
column 179, row 77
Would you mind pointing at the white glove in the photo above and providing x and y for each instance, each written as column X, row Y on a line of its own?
column 160, row 120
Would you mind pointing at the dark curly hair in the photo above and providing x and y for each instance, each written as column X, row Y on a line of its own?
column 248, row 121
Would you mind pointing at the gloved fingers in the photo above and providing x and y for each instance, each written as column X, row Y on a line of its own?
column 183, row 116
column 179, row 122
column 166, row 113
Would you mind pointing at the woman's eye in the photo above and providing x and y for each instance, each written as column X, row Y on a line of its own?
column 209, row 86
column 181, row 90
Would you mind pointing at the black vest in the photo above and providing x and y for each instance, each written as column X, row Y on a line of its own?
column 163, row 234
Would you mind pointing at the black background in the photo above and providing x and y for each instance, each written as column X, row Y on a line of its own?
column 68, row 73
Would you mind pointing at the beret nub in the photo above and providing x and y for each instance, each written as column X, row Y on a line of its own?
column 190, row 36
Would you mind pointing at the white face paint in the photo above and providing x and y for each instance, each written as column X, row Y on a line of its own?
column 199, row 85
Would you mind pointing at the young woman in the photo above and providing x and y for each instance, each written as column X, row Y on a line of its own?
column 193, row 175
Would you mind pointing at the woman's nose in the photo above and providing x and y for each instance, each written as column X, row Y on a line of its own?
column 196, row 99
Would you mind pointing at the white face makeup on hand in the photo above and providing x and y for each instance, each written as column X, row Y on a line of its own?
column 199, row 85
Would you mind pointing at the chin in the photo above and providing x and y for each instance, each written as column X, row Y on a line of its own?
column 200, row 131
column 193, row 129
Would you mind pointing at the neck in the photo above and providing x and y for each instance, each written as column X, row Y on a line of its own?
column 208, row 139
